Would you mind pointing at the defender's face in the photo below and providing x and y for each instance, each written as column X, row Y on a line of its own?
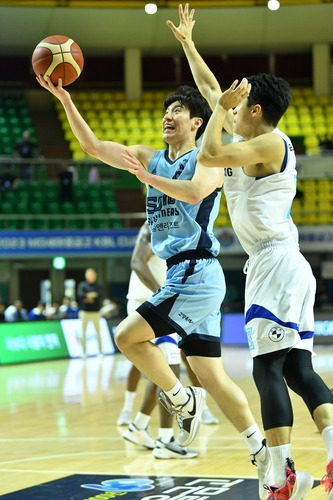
column 242, row 114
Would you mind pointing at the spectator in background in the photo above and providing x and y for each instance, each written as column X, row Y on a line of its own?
column 89, row 294
column 16, row 312
column 93, row 176
column 53, row 310
column 68, row 309
column 38, row 313
column 7, row 180
column 109, row 309
column 65, row 183
column 326, row 145
column 25, row 149
column 73, row 169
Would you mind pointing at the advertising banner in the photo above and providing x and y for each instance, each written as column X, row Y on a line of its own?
column 31, row 341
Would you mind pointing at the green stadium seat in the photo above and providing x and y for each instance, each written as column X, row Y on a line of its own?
column 82, row 207
column 53, row 207
column 96, row 207
column 7, row 207
column 22, row 207
column 36, row 207
column 14, row 225
column 67, row 208
column 56, row 224
column 110, row 206
column 41, row 224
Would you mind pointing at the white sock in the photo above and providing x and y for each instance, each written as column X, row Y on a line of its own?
column 253, row 438
column 177, row 394
column 165, row 434
column 129, row 400
column 327, row 436
column 279, row 455
column 141, row 420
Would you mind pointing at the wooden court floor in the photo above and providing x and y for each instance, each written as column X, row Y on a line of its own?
column 58, row 418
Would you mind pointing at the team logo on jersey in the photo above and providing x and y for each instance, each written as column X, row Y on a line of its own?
column 276, row 334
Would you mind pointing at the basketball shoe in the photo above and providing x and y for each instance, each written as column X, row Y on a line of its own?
column 139, row 436
column 296, row 487
column 262, row 461
column 188, row 415
column 327, row 480
column 208, row 417
column 125, row 417
column 172, row 450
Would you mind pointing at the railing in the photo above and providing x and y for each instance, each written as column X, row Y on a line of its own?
column 126, row 218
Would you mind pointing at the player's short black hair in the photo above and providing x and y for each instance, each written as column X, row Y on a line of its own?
column 272, row 93
column 191, row 98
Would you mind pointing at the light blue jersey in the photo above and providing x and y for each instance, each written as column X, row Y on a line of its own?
column 181, row 233
column 177, row 226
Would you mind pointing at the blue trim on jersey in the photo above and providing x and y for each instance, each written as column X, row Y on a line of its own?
column 306, row 335
column 165, row 338
column 261, row 312
column 285, row 159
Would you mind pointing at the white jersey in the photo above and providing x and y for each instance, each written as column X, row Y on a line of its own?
column 138, row 290
column 252, row 201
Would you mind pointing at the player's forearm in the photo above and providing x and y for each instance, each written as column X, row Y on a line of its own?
column 203, row 76
column 187, row 191
column 81, row 129
column 211, row 146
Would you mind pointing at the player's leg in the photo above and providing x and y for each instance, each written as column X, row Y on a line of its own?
column 137, row 431
column 207, row 416
column 302, row 379
column 84, row 323
column 234, row 405
column 125, row 416
column 95, row 319
column 166, row 446
column 133, row 338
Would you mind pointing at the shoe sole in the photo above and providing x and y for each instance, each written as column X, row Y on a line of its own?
column 123, row 422
column 162, row 455
column 196, row 426
column 305, row 482
column 129, row 438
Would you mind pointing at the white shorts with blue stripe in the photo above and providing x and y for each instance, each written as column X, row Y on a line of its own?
column 279, row 297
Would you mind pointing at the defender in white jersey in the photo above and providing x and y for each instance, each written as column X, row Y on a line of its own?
column 260, row 184
column 182, row 233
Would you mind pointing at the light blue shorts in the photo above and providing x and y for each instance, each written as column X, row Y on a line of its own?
column 189, row 301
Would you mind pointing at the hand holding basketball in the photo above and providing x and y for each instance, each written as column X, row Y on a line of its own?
column 58, row 56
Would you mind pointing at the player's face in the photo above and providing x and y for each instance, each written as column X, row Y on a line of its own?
column 176, row 122
column 242, row 116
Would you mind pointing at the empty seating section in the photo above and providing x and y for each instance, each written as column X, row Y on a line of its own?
column 313, row 204
column 36, row 205
column 113, row 118
column 309, row 117
column 14, row 119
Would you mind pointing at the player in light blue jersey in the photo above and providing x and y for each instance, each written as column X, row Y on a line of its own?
column 260, row 184
column 182, row 233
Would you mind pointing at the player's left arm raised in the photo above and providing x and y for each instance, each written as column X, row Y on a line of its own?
column 108, row 152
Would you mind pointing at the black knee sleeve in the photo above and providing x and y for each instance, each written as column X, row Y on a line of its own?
column 302, row 379
column 276, row 409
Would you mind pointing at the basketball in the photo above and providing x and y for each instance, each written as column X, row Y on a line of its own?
column 58, row 56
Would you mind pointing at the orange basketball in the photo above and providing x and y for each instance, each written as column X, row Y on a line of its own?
column 58, row 56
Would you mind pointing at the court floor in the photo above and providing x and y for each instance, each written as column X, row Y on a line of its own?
column 58, row 426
